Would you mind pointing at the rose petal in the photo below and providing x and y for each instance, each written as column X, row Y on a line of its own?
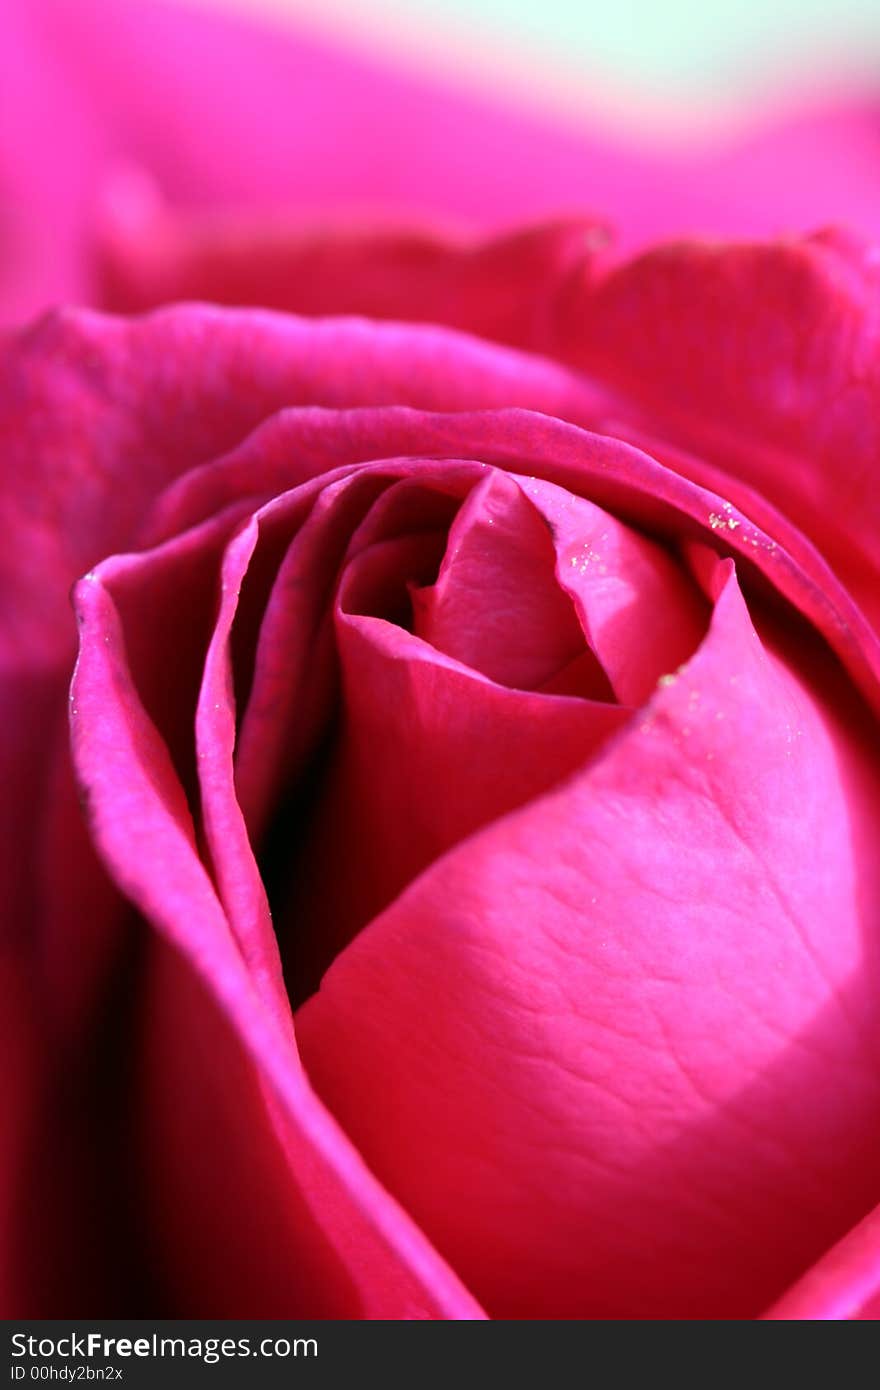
column 459, row 785
column 618, row 477
column 615, row 577
column 756, row 357
column 845, row 1285
column 629, row 1029
column 306, row 256
column 501, row 287
column 98, row 415
column 496, row 605
column 141, row 821
column 762, row 359
column 427, row 751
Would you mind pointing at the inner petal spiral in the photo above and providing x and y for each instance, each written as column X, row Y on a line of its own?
column 471, row 680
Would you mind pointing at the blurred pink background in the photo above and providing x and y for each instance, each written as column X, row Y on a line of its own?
column 112, row 108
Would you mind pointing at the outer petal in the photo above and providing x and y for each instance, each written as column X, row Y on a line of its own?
column 142, row 822
column 97, row 415
column 187, row 97
column 501, row 287
column 762, row 358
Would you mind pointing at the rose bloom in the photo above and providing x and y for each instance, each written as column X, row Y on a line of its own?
column 472, row 910
column 446, row 887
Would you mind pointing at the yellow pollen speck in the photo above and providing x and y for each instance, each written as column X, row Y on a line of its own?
column 718, row 523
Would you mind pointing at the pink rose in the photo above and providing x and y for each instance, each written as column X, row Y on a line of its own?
column 448, row 888
column 509, row 701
